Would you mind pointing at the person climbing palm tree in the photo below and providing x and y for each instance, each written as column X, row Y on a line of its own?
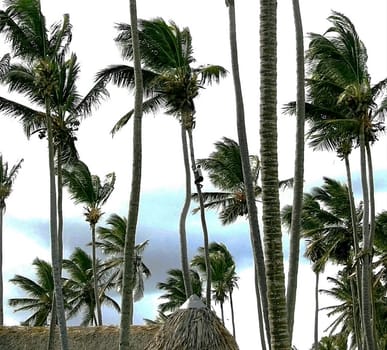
column 170, row 82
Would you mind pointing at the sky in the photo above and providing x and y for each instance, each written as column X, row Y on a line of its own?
column 26, row 233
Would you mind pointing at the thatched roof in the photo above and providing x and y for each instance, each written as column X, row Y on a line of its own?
column 80, row 338
column 193, row 327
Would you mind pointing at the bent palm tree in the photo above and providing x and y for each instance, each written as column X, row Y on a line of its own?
column 87, row 189
column 7, row 177
column 255, row 235
column 169, row 82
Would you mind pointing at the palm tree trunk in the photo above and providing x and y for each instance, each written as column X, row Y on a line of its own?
column 222, row 312
column 355, row 287
column 56, row 268
column 95, row 276
column 316, row 310
column 232, row 314
column 294, row 246
column 130, row 236
column 183, row 217
column 1, row 268
column 275, row 275
column 255, row 236
column 51, row 335
column 260, row 315
column 203, row 220
column 366, row 255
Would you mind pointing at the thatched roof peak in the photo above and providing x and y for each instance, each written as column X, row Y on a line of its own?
column 193, row 302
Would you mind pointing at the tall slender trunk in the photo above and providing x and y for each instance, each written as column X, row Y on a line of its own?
column 367, row 248
column 355, row 287
column 294, row 247
column 134, row 202
column 183, row 217
column 232, row 314
column 202, row 218
column 255, row 236
column 275, row 275
column 95, row 276
column 51, row 334
column 316, row 309
column 56, row 268
column 1, row 267
column 260, row 315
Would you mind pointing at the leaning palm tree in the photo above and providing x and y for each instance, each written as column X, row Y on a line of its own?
column 294, row 244
column 111, row 241
column 80, row 287
column 24, row 27
column 87, row 189
column 260, row 273
column 170, row 82
column 128, row 282
column 7, row 178
column 275, row 275
column 40, row 294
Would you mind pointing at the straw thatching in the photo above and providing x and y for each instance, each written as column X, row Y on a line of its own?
column 80, row 338
column 193, row 327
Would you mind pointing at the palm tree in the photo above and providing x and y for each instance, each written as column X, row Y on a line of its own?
column 7, row 178
column 128, row 282
column 39, row 297
column 339, row 77
column 80, row 287
column 271, row 218
column 294, row 245
column 224, row 278
column 87, row 189
column 111, row 241
column 24, row 27
column 169, row 82
column 260, row 273
column 224, row 168
column 326, row 224
column 174, row 288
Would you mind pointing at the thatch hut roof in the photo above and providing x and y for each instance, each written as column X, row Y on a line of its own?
column 193, row 327
column 80, row 338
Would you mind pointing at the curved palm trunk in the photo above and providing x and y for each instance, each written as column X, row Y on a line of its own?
column 56, row 268
column 355, row 287
column 255, row 236
column 294, row 247
column 203, row 221
column 130, row 236
column 367, row 248
column 95, row 276
column 275, row 275
column 1, row 268
column 183, row 217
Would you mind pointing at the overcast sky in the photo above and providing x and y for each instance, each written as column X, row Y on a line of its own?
column 26, row 233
